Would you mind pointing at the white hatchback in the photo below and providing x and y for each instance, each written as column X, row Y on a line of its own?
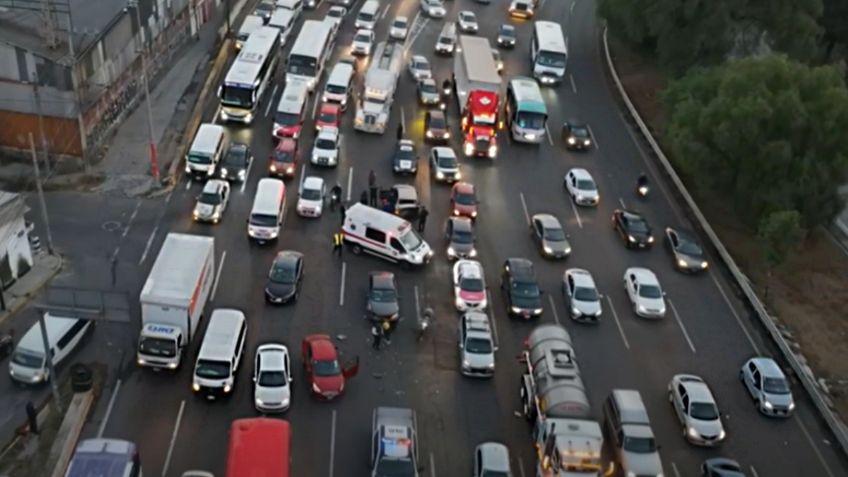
column 310, row 201
column 363, row 42
column 327, row 147
column 272, row 378
column 399, row 29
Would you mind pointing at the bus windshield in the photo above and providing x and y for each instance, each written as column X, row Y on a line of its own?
column 303, row 65
column 551, row 58
column 237, row 96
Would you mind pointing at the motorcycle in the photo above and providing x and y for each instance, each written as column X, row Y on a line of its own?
column 424, row 322
column 642, row 191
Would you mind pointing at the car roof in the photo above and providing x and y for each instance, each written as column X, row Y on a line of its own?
column 464, row 187
column 328, row 132
column 643, row 275
column 581, row 173
column 238, row 147
column 696, row 388
column 470, row 268
column 322, row 346
column 768, row 367
column 548, row 221
column 287, row 144
column 463, row 224
column 213, row 186
column 402, row 18
column 337, row 8
column 382, row 279
column 427, row 80
column 313, row 182
column 443, row 151
column 631, row 214
column 407, row 142
column 495, row 456
column 684, row 234
column 287, row 257
column 520, row 266
column 420, row 58
column 582, row 278
column 467, row 13
column 271, row 356
column 331, row 107
column 364, row 31
column 507, row 27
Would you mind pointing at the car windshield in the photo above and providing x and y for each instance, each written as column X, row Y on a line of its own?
column 283, row 273
column 327, row 117
column 637, row 224
column 201, row 159
column 272, row 379
column 437, row 122
column 580, row 131
column 462, row 236
column 336, row 89
column 467, row 17
column 530, row 120
column 465, row 199
column 586, row 184
column 335, row 13
column 650, row 291
column 507, row 31
column 703, row 411
column 236, row 157
column 366, row 17
column 395, row 468
column 550, row 58
column 283, row 156
column 775, row 386
column 286, row 119
column 28, row 359
column 478, row 346
column 525, row 289
column 158, row 347
column 448, row 162
column 399, row 24
column 640, row 445
column 421, row 66
column 211, row 198
column 410, row 241
column 362, row 38
column 472, row 284
column 428, row 87
column 326, row 368
column 689, row 247
column 310, row 194
column 494, row 473
column 207, row 368
column 383, row 295
column 325, row 144
column 555, row 235
column 405, row 153
column 445, row 40
column 263, row 220
column 585, row 294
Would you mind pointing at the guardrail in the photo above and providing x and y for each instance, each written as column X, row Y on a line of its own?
column 807, row 379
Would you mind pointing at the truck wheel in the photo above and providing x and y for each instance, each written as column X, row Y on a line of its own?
column 356, row 249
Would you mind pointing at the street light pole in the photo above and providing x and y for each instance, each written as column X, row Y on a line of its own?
column 41, row 196
column 154, row 162
column 229, row 33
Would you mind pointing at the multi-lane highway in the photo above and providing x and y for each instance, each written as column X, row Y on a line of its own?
column 706, row 331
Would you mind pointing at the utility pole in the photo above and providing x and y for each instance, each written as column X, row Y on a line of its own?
column 48, row 24
column 154, row 162
column 229, row 33
column 41, row 196
column 49, row 359
column 45, row 149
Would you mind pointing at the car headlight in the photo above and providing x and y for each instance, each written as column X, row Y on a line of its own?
column 195, row 214
column 631, row 238
column 466, row 364
column 641, row 308
column 459, row 302
column 537, row 311
column 575, row 310
column 571, row 140
column 286, row 402
column 792, row 405
column 491, row 365
column 224, row 115
column 630, row 473
column 440, row 175
column 468, row 149
column 223, row 173
column 515, row 309
column 228, row 387
column 567, row 250
column 473, row 213
column 722, row 435
column 315, row 388
column 259, row 402
column 290, row 170
column 323, row 98
column 447, row 135
column 458, row 175
column 651, row 239
column 704, row 264
column 451, row 252
column 141, row 362
column 273, row 167
column 693, row 433
column 455, row 212
column 472, row 253
column 493, row 151
column 195, row 386
column 681, row 263
column 172, row 365
column 768, row 405
column 548, row 250
column 586, row 142
column 429, row 133
column 188, row 169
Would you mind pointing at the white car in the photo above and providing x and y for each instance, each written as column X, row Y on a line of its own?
column 399, row 28
column 499, row 64
column 581, row 295
column 467, row 22
column 444, row 164
column 644, row 291
column 337, row 13
column 363, row 42
column 434, row 8
column 272, row 378
column 212, row 202
column 581, row 187
column 476, row 345
column 310, row 201
column 419, row 67
column 768, row 386
column 469, row 286
column 327, row 147
column 696, row 409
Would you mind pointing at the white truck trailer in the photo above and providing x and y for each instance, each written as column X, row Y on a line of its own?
column 173, row 299
column 375, row 106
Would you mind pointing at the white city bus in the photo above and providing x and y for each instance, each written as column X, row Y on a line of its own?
column 525, row 110
column 313, row 46
column 548, row 52
column 249, row 75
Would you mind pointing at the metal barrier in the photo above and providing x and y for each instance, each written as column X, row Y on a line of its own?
column 807, row 380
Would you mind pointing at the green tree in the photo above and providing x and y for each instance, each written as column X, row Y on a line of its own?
column 765, row 132
column 834, row 23
column 627, row 20
column 790, row 25
column 779, row 233
column 691, row 32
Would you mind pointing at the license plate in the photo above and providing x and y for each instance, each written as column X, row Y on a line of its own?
column 642, row 245
column 405, row 164
column 322, row 160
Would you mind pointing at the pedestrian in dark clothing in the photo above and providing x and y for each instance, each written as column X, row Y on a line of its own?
column 342, row 212
column 376, row 336
column 386, row 328
column 335, row 196
column 422, row 219
column 363, row 198
column 32, row 417
column 338, row 241
column 372, row 188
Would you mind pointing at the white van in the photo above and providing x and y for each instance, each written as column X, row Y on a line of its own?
column 384, row 235
column 220, row 353
column 295, row 6
column 338, row 87
column 367, row 16
column 446, row 42
column 269, row 207
column 28, row 365
column 250, row 24
column 206, row 150
column 284, row 21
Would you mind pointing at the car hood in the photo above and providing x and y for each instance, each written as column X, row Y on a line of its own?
column 231, row 169
column 431, row 96
column 472, row 296
column 280, row 394
column 779, row 400
column 464, row 209
column 329, row 384
column 706, row 428
column 639, row 236
column 462, row 247
column 280, row 290
column 448, row 170
column 560, row 246
column 691, row 260
column 314, row 204
column 380, row 308
column 589, row 308
column 652, row 303
column 588, row 194
column 642, row 463
column 361, row 45
column 289, row 130
column 205, row 210
column 526, row 301
column 479, row 360
column 324, row 152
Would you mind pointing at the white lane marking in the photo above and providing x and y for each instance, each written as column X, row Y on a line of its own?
column 432, row 465
column 102, row 428
column 553, row 308
column 302, row 178
column 246, row 175
column 680, row 322
column 521, row 467
column 618, row 323
column 573, row 85
column 417, row 305
column 576, row 213
column 349, row 182
column 674, row 468
column 548, row 135
column 341, row 290
column 524, row 206
column 621, row 201
column 411, row 40
column 218, row 275
column 403, row 118
column 147, row 246
column 315, row 104
column 735, row 314
column 384, row 12
column 173, row 439
column 129, row 222
column 188, row 184
column 332, row 442
column 492, row 317
column 270, row 101
column 571, row 9
column 168, row 197
column 594, row 138
column 813, row 445
column 754, row 472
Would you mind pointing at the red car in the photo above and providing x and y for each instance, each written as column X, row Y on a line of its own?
column 464, row 200
column 283, row 160
column 321, row 364
column 330, row 115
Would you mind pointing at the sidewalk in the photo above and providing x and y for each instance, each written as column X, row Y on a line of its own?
column 44, row 268
column 126, row 163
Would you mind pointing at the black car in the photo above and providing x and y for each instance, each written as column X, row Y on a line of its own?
column 633, row 228
column 285, row 277
column 405, row 158
column 436, row 127
column 264, row 10
column 459, row 234
column 506, row 36
column 685, row 250
column 721, row 467
column 576, row 136
column 382, row 296
column 520, row 288
column 235, row 163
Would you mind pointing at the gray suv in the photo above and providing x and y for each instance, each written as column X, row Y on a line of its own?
column 630, row 435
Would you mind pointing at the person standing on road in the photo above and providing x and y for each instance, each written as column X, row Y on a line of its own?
column 338, row 241
column 400, row 131
column 422, row 219
column 372, row 188
column 363, row 198
column 387, row 330
column 342, row 212
column 376, row 336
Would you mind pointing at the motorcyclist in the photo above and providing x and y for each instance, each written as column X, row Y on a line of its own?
column 642, row 181
column 424, row 321
column 335, row 195
column 446, row 87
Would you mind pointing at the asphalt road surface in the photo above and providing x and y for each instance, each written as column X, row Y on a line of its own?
column 706, row 331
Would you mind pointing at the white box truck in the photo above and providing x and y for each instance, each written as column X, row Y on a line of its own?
column 173, row 299
column 375, row 106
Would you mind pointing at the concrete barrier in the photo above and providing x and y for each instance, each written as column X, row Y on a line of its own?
column 837, row 427
column 69, row 432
